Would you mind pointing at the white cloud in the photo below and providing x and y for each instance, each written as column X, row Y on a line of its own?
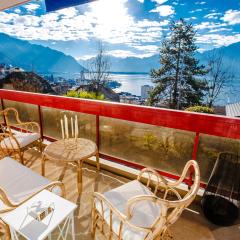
column 232, row 17
column 200, row 3
column 164, row 10
column 148, row 23
column 209, row 25
column 31, row 7
column 7, row 18
column 190, row 18
column 159, row 1
column 107, row 20
column 212, row 15
column 218, row 40
column 86, row 57
column 196, row 10
column 27, row 21
column 68, row 12
column 18, row 11
column 220, row 30
column 126, row 53
column 149, row 48
column 121, row 53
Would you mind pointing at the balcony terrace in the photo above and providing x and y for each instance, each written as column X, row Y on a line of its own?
column 130, row 137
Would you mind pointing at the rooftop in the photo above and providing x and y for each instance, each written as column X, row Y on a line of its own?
column 233, row 110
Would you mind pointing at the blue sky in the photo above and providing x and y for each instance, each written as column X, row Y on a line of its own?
column 126, row 27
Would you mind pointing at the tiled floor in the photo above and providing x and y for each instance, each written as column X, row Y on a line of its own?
column 190, row 226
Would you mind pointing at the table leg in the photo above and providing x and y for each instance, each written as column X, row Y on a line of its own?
column 79, row 176
column 64, row 227
column 64, row 230
column 97, row 161
column 43, row 165
column 13, row 234
column 73, row 229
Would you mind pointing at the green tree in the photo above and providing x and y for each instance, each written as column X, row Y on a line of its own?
column 200, row 109
column 178, row 80
column 85, row 94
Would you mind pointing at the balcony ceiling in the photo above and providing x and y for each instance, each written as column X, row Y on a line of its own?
column 5, row 4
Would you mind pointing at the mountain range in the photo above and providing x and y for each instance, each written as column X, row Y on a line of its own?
column 46, row 60
column 35, row 57
column 230, row 54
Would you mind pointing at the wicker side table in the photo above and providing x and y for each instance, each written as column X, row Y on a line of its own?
column 71, row 151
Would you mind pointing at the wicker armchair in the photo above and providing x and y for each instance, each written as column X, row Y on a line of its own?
column 18, row 184
column 134, row 212
column 26, row 136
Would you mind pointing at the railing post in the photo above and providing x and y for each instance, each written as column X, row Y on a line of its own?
column 97, row 132
column 40, row 121
column 194, row 157
column 195, row 147
column 3, row 107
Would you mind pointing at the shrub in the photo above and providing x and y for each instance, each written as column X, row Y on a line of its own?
column 85, row 94
column 200, row 109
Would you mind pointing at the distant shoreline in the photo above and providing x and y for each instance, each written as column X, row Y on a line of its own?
column 117, row 73
column 130, row 73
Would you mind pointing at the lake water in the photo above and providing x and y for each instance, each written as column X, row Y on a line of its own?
column 129, row 82
column 132, row 83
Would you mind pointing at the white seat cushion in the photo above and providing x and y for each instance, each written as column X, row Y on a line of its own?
column 18, row 181
column 23, row 139
column 144, row 212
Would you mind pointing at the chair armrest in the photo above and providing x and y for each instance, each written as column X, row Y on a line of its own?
column 54, row 184
column 11, row 138
column 153, row 177
column 164, row 205
column 190, row 164
column 11, row 205
column 123, row 218
column 103, row 200
column 4, row 198
column 28, row 125
column 159, row 181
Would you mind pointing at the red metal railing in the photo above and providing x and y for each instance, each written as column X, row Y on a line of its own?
column 199, row 123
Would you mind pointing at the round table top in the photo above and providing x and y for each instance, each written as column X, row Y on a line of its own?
column 71, row 150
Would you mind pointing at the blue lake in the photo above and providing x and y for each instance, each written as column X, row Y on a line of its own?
column 132, row 83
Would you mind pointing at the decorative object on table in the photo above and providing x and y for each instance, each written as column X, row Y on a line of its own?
column 69, row 137
column 16, row 143
column 25, row 225
column 19, row 183
column 135, row 211
column 220, row 202
column 60, row 151
column 39, row 210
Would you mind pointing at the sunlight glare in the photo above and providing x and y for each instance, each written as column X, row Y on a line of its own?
column 110, row 12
